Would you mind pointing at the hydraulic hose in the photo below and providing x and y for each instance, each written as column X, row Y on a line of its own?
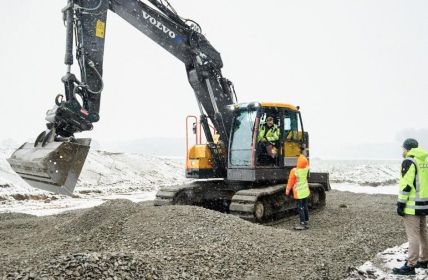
column 90, row 9
column 92, row 65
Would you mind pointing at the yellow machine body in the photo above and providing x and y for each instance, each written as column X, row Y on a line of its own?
column 292, row 146
column 199, row 162
column 199, row 157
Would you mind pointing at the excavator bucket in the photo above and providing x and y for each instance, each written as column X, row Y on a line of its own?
column 53, row 166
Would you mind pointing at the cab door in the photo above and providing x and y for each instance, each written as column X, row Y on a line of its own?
column 241, row 148
column 294, row 137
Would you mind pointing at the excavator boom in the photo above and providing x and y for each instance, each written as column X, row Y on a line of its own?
column 56, row 158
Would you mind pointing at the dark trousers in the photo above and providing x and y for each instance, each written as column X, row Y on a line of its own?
column 264, row 158
column 302, row 209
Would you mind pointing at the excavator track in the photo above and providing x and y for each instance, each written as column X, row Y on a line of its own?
column 257, row 204
column 261, row 204
column 168, row 195
column 269, row 203
column 211, row 194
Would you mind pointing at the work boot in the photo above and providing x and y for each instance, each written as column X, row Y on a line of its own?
column 306, row 225
column 421, row 264
column 404, row 270
column 300, row 226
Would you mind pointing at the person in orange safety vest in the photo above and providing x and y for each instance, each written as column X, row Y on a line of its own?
column 298, row 182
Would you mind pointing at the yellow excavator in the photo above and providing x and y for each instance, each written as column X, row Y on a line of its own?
column 233, row 170
column 251, row 185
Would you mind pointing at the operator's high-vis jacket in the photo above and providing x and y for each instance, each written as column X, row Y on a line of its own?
column 298, row 179
column 272, row 134
column 414, row 182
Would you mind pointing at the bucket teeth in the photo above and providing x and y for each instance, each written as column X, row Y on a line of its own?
column 54, row 167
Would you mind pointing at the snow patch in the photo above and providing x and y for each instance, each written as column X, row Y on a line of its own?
column 372, row 173
column 391, row 189
column 381, row 266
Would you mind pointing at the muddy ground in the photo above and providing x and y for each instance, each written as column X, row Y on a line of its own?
column 125, row 240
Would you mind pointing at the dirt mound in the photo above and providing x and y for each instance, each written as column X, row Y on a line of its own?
column 14, row 216
column 106, row 217
column 92, row 266
column 184, row 242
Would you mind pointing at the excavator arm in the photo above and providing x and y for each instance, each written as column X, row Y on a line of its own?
column 55, row 160
column 86, row 23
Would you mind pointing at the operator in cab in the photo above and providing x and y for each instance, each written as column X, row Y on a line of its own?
column 267, row 141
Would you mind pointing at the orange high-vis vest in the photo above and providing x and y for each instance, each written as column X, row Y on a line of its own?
column 298, row 179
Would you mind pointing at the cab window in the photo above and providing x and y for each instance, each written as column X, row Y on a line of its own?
column 291, row 121
column 242, row 136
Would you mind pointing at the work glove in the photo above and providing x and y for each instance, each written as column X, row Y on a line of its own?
column 400, row 208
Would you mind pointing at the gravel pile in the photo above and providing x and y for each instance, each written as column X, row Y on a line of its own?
column 91, row 266
column 121, row 238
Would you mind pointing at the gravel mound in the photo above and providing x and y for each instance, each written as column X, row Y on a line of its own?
column 14, row 216
column 106, row 218
column 124, row 239
column 91, row 266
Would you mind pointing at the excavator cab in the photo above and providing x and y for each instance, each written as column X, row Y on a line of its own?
column 254, row 152
column 265, row 142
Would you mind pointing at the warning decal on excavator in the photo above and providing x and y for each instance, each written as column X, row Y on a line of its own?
column 100, row 29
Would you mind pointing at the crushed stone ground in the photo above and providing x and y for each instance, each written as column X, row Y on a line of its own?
column 124, row 240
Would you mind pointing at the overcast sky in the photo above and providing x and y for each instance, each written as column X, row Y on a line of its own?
column 358, row 69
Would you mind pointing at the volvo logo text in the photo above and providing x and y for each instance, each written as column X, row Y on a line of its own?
column 159, row 25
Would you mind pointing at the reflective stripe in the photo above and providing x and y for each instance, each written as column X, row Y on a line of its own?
column 410, row 198
column 271, row 134
column 404, row 193
column 421, row 199
column 417, row 207
column 402, row 200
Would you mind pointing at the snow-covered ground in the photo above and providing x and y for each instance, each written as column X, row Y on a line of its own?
column 371, row 173
column 381, row 266
column 107, row 175
column 138, row 177
column 131, row 176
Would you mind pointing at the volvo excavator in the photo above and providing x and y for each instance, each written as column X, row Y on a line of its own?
column 232, row 170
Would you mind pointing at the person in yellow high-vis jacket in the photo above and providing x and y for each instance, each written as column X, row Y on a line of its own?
column 267, row 142
column 412, row 205
column 268, row 132
column 298, row 182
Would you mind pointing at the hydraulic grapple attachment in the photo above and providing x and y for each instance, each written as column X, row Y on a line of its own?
column 53, row 166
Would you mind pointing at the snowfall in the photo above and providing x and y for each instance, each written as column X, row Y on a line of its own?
column 137, row 177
